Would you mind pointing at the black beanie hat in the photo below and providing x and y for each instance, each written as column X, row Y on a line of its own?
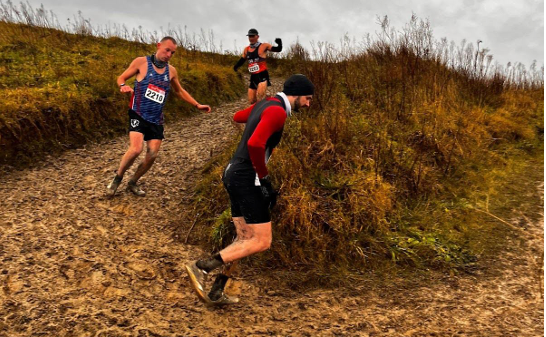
column 298, row 85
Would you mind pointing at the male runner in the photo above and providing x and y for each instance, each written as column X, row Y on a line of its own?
column 154, row 78
column 247, row 182
column 256, row 53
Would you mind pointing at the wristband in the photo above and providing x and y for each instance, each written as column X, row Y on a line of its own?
column 197, row 105
column 121, row 85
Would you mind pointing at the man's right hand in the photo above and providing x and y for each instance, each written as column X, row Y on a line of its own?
column 238, row 64
column 125, row 88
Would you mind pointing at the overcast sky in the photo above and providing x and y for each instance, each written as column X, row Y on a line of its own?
column 513, row 30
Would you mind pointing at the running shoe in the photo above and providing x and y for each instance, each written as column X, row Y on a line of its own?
column 217, row 295
column 224, row 300
column 197, row 279
column 133, row 187
column 218, row 286
column 113, row 186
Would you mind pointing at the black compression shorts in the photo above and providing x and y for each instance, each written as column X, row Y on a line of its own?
column 258, row 78
column 149, row 130
column 246, row 200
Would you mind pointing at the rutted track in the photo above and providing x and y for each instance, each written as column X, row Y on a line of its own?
column 74, row 263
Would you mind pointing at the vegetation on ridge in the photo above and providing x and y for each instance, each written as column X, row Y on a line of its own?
column 407, row 136
column 59, row 88
column 389, row 163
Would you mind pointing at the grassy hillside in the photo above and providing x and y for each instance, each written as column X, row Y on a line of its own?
column 58, row 89
column 405, row 140
column 409, row 144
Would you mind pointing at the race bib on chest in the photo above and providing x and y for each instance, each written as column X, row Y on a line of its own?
column 253, row 68
column 155, row 94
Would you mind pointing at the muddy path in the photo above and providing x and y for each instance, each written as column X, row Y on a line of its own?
column 74, row 263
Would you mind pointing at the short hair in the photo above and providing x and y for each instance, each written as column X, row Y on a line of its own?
column 169, row 38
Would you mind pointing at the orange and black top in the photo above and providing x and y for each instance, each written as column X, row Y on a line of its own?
column 256, row 63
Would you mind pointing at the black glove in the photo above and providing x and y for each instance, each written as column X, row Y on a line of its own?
column 270, row 194
column 273, row 199
column 265, row 185
column 238, row 64
column 278, row 48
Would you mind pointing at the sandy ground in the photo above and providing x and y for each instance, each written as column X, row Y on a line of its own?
column 74, row 263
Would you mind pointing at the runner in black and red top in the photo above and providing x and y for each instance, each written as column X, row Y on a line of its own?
column 247, row 182
column 154, row 79
column 256, row 53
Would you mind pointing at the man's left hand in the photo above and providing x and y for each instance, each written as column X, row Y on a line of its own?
column 202, row 107
column 270, row 194
column 278, row 48
column 273, row 199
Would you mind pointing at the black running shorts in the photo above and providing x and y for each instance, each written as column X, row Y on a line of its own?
column 258, row 78
column 149, row 130
column 246, row 200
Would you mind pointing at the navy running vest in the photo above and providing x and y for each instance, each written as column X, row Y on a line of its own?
column 150, row 94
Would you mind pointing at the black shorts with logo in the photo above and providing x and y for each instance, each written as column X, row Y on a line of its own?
column 149, row 130
column 246, row 199
column 258, row 78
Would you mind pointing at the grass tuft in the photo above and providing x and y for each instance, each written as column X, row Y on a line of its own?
column 403, row 137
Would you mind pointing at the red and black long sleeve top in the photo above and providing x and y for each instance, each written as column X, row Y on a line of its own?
column 263, row 131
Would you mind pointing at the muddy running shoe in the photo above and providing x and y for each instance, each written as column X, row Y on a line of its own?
column 113, row 186
column 197, row 279
column 224, row 300
column 218, row 286
column 133, row 187
column 217, row 295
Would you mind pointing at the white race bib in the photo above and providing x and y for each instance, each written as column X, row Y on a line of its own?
column 254, row 68
column 155, row 94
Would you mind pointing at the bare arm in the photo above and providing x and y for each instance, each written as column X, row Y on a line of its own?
column 128, row 73
column 264, row 48
column 183, row 94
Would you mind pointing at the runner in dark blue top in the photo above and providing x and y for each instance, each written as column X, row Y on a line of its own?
column 154, row 79
column 247, row 182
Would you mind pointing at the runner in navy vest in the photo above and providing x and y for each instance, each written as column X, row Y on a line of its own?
column 154, row 79
column 247, row 182
column 256, row 53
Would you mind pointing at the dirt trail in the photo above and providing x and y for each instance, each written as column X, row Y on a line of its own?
column 74, row 263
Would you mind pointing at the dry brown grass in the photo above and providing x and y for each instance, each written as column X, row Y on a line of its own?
column 58, row 83
column 382, row 166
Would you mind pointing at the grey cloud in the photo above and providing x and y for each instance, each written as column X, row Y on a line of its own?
column 513, row 30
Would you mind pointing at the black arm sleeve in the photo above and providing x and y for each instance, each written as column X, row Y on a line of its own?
column 278, row 48
column 239, row 63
